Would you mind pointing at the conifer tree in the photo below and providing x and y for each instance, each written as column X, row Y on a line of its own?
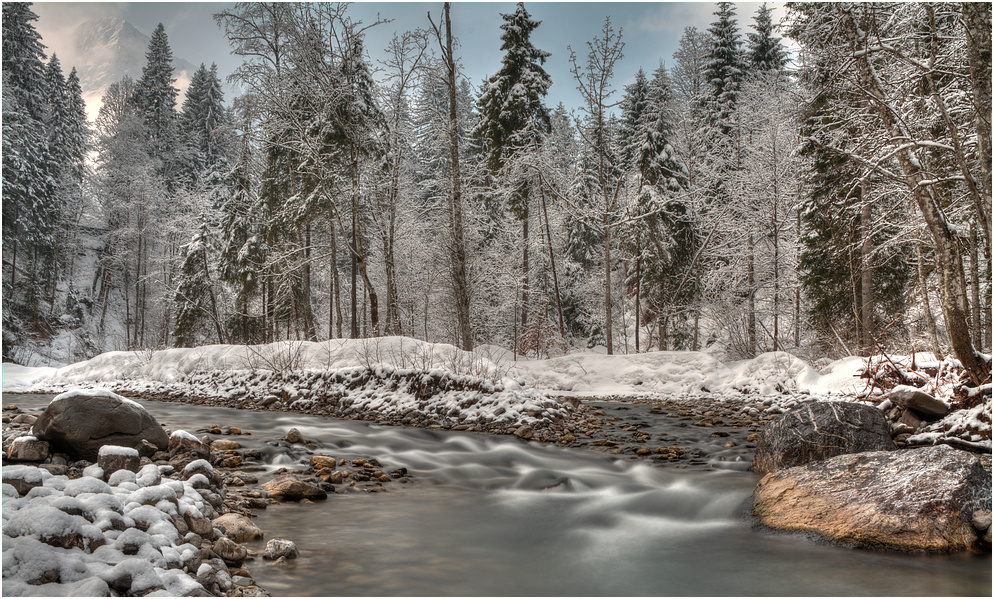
column 29, row 174
column 196, row 300
column 726, row 66
column 513, row 117
column 202, row 119
column 766, row 52
column 155, row 97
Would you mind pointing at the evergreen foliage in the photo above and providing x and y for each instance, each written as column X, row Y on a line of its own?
column 766, row 52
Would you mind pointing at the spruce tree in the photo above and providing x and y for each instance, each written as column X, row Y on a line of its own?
column 155, row 97
column 514, row 119
column 766, row 52
column 513, row 116
column 196, row 301
column 726, row 66
column 29, row 175
column 202, row 119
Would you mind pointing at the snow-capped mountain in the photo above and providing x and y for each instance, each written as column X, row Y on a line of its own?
column 107, row 49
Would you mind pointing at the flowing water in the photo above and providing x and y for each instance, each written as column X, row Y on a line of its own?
column 491, row 515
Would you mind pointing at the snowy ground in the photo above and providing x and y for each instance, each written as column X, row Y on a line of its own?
column 483, row 386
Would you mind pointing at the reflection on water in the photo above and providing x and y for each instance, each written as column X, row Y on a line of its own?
column 498, row 516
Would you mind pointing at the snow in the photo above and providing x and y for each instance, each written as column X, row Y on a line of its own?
column 117, row 450
column 584, row 373
column 97, row 393
column 82, row 537
column 181, row 434
column 17, row 378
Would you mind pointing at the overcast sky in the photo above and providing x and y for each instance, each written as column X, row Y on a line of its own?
column 651, row 31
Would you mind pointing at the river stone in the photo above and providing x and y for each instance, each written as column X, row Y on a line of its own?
column 288, row 487
column 111, row 459
column 923, row 404
column 81, row 422
column 280, row 547
column 231, row 552
column 28, row 449
column 238, row 527
column 319, row 462
column 182, row 442
column 225, row 445
column 917, row 500
column 817, row 430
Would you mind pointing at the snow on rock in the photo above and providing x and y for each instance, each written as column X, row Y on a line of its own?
column 87, row 537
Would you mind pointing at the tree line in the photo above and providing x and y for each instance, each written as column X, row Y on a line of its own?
column 837, row 200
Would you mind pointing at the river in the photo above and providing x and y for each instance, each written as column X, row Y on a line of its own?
column 495, row 515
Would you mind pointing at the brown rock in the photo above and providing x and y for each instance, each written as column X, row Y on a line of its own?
column 319, row 462
column 926, row 406
column 293, row 436
column 524, row 432
column 111, row 459
column 182, row 442
column 225, row 445
column 288, row 487
column 231, row 552
column 918, row 500
column 237, row 527
column 30, row 449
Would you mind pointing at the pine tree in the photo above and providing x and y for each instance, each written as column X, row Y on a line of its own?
column 766, row 52
column 726, row 66
column 29, row 175
column 202, row 120
column 513, row 117
column 155, row 97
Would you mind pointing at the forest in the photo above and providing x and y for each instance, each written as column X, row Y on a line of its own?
column 828, row 201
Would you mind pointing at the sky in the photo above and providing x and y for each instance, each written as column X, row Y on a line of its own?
column 651, row 31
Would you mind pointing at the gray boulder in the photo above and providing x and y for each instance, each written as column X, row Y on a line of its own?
column 916, row 400
column 914, row 500
column 820, row 429
column 81, row 422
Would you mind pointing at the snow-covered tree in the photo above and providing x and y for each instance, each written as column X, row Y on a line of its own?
column 765, row 51
column 30, row 173
column 196, row 298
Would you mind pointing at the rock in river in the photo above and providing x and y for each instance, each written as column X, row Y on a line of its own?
column 288, row 487
column 80, row 422
column 916, row 500
column 820, row 429
column 238, row 527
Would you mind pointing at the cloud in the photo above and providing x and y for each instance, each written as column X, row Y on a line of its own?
column 58, row 20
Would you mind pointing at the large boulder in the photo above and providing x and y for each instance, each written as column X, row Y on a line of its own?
column 914, row 500
column 80, row 422
column 820, row 429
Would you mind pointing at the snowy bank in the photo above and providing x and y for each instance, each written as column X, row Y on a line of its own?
column 587, row 373
column 688, row 373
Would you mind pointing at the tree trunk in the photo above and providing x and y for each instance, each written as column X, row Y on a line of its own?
column 866, row 271
column 552, row 263
column 608, row 328
column 953, row 289
column 460, row 283
column 524, row 273
column 751, row 297
column 933, row 332
column 309, row 332
column 977, row 20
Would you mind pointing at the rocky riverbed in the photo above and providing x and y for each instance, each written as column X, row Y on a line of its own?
column 171, row 521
